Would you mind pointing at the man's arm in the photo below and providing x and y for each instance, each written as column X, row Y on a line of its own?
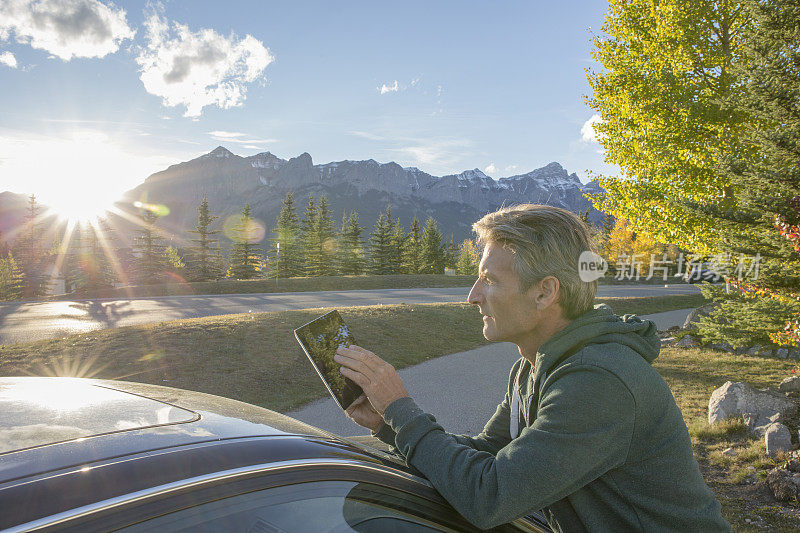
column 495, row 434
column 582, row 430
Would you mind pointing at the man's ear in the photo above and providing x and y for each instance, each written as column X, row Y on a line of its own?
column 547, row 292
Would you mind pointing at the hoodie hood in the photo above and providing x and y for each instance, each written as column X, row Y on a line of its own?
column 600, row 326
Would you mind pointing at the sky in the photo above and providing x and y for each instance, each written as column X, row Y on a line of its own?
column 98, row 95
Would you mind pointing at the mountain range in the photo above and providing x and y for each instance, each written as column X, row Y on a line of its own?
column 229, row 180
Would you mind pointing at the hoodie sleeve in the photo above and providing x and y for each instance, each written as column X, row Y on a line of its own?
column 582, row 430
column 495, row 434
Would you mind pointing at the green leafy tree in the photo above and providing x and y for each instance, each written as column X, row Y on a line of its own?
column 204, row 262
column 351, row 258
column 412, row 251
column 288, row 233
column 150, row 262
column 309, row 234
column 380, row 246
column 11, row 278
column 667, row 68
column 467, row 263
column 245, row 260
column 433, row 251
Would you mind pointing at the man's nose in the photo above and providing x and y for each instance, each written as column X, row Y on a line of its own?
column 474, row 296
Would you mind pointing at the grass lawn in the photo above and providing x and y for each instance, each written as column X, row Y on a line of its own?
column 254, row 358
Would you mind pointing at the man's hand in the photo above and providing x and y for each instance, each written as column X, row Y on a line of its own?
column 362, row 413
column 377, row 378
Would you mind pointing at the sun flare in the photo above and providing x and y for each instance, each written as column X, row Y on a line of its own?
column 78, row 176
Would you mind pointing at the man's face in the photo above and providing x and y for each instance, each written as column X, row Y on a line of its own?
column 509, row 315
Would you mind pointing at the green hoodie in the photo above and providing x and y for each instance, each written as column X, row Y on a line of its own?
column 602, row 447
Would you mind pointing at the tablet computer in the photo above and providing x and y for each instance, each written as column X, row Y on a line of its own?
column 320, row 339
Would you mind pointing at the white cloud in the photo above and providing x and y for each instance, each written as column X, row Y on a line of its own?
column 199, row 69
column 65, row 28
column 511, row 168
column 389, row 88
column 414, row 82
column 8, row 59
column 491, row 169
column 435, row 155
column 236, row 137
column 588, row 133
column 367, row 135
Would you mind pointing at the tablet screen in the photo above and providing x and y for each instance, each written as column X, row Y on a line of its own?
column 320, row 339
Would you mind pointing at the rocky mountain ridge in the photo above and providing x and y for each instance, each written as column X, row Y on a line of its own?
column 455, row 201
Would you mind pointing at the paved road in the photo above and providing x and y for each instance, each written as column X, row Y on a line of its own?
column 30, row 321
column 461, row 390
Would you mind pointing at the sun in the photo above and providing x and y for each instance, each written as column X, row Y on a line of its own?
column 80, row 206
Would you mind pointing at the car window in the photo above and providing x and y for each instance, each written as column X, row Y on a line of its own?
column 331, row 506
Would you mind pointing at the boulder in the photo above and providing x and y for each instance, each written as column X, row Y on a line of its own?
column 783, row 353
column 781, row 485
column 753, row 350
column 722, row 346
column 778, row 439
column 758, row 408
column 790, row 384
column 687, row 341
column 697, row 314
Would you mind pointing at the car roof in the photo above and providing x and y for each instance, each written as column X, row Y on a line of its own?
column 51, row 423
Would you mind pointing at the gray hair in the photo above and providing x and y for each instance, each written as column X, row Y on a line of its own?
column 547, row 241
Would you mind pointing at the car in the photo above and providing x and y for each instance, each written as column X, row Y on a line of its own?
column 97, row 455
column 702, row 272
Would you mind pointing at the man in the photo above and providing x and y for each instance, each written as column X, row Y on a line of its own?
column 587, row 431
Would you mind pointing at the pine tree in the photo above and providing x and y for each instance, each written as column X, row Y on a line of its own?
column 11, row 278
column 321, row 257
column 380, row 246
column 203, row 263
column 350, row 252
column 245, row 259
column 433, row 252
column 90, row 259
column 467, row 263
column 289, row 235
column 766, row 178
column 30, row 253
column 451, row 254
column 309, row 235
column 412, row 251
column 150, row 262
column 398, row 241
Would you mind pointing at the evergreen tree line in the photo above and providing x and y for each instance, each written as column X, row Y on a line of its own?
column 90, row 262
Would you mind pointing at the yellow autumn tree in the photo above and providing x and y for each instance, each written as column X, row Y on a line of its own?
column 625, row 246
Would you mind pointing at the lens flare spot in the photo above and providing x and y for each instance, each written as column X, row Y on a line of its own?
column 152, row 356
column 159, row 209
column 239, row 230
